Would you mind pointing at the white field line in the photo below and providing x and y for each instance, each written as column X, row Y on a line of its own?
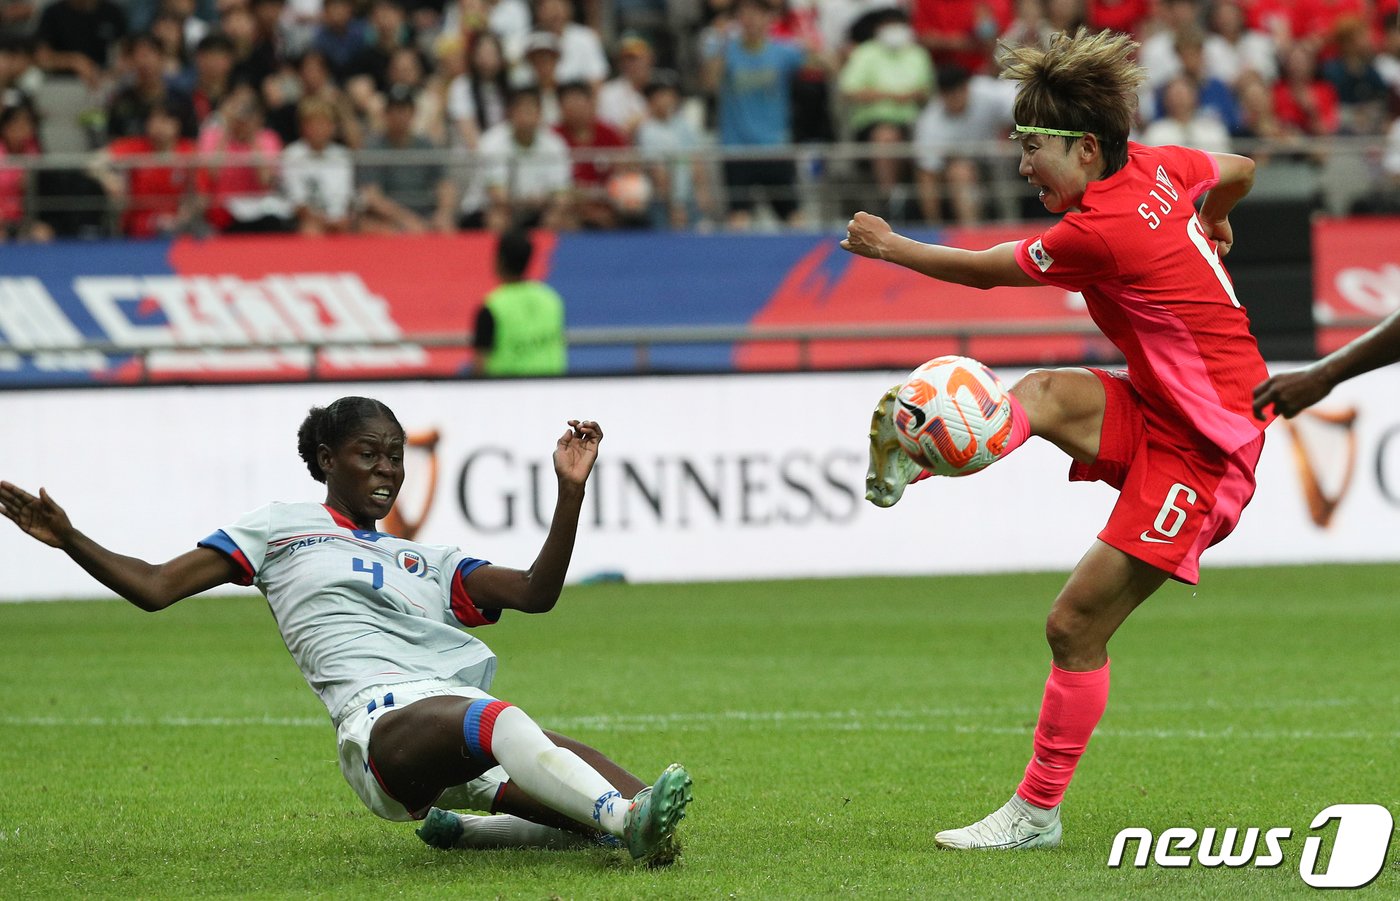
column 940, row 720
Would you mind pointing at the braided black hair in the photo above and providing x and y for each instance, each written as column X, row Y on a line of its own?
column 333, row 424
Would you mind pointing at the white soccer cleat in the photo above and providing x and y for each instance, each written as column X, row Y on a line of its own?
column 891, row 469
column 1018, row 825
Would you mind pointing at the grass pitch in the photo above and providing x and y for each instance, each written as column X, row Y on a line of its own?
column 831, row 727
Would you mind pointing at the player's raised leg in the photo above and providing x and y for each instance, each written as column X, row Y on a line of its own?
column 1104, row 588
column 1064, row 406
column 891, row 470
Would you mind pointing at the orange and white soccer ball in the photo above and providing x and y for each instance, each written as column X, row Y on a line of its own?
column 629, row 192
column 953, row 416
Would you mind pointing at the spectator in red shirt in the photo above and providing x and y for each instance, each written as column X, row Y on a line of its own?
column 18, row 137
column 1301, row 99
column 1273, row 17
column 1117, row 15
column 582, row 130
column 156, row 198
column 1320, row 18
column 1300, row 20
column 961, row 32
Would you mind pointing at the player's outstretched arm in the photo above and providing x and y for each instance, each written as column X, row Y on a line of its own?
column 1290, row 393
column 149, row 586
column 870, row 236
column 536, row 590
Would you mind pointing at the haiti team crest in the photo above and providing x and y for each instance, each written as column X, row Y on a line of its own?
column 413, row 563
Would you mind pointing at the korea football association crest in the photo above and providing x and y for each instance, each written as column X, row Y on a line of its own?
column 413, row 563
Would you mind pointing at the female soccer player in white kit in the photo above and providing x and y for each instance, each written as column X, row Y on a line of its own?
column 375, row 624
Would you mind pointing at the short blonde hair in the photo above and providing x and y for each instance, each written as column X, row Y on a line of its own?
column 1080, row 82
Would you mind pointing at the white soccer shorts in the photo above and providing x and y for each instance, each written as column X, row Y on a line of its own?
column 352, row 736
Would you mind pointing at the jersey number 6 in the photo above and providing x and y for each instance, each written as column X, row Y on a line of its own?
column 1197, row 233
column 1170, row 507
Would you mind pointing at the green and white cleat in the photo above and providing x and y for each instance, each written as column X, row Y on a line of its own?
column 441, row 829
column 650, row 828
column 1018, row 825
column 891, row 469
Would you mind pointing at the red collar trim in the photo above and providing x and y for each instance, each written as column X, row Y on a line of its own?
column 341, row 519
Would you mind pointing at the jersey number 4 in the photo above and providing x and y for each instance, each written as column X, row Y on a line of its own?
column 375, row 571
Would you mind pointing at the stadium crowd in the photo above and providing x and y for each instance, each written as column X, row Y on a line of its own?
column 391, row 116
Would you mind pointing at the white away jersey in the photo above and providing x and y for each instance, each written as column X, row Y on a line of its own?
column 358, row 609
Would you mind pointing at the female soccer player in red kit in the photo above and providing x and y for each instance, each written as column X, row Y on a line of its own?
column 1174, row 434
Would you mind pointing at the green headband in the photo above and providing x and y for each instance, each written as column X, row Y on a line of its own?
column 1037, row 130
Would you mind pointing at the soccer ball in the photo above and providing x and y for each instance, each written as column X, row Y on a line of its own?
column 629, row 192
column 953, row 416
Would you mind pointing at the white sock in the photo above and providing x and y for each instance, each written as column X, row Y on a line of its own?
column 506, row 831
column 555, row 776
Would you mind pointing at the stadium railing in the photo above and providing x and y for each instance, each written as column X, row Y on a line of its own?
column 642, row 340
column 1335, row 174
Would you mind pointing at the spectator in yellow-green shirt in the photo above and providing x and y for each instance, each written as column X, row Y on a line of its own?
column 885, row 83
column 520, row 328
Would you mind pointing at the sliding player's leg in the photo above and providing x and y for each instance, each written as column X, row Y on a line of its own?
column 514, row 800
column 420, row 750
column 519, row 821
column 448, row 830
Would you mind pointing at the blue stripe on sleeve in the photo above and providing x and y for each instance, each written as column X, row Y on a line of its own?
column 221, row 542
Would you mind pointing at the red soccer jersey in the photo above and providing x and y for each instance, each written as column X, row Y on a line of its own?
column 1324, row 99
column 153, row 192
column 1154, row 284
column 590, row 173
